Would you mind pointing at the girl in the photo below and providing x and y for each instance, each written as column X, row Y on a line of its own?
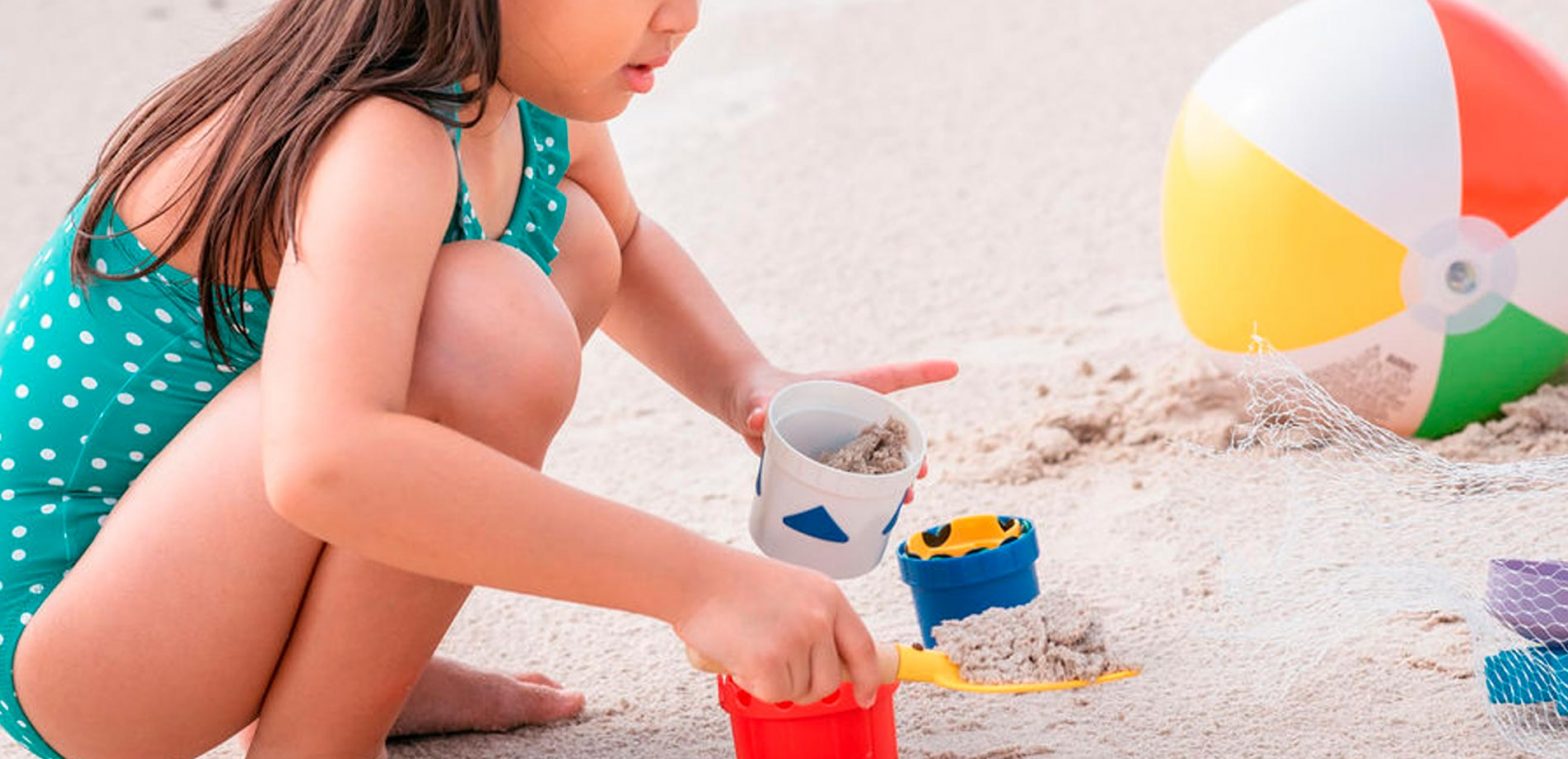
column 415, row 204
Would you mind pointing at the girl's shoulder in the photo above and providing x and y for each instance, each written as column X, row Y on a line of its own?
column 389, row 144
column 382, row 122
column 383, row 163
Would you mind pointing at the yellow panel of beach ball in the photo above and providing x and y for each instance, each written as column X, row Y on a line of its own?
column 1378, row 190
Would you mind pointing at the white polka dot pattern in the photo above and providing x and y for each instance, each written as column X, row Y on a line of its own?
column 539, row 209
column 94, row 383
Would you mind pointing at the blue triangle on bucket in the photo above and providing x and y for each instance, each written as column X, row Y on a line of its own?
column 894, row 520
column 817, row 523
column 760, row 459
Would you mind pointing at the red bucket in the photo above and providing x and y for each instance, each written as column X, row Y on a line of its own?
column 833, row 728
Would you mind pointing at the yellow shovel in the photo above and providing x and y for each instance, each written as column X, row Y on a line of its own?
column 898, row 662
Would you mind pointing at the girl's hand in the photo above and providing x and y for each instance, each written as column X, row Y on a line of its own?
column 784, row 633
column 757, row 388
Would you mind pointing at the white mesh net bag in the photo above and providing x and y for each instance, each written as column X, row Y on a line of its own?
column 1462, row 538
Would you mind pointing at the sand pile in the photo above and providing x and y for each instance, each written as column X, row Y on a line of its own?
column 1531, row 427
column 1112, row 415
column 1050, row 639
column 878, row 450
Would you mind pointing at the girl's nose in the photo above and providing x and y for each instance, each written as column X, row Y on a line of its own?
column 676, row 18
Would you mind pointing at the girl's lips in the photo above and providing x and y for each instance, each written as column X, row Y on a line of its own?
column 638, row 78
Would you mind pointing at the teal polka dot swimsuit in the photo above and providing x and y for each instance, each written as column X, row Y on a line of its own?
column 540, row 207
column 95, row 382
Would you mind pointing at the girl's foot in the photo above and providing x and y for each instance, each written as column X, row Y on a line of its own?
column 453, row 697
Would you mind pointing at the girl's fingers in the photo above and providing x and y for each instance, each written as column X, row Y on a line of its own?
column 759, row 688
column 827, row 675
column 770, row 686
column 909, row 495
column 859, row 654
column 890, row 377
column 797, row 677
column 753, row 428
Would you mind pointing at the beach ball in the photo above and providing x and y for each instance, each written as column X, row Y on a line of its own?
column 1376, row 188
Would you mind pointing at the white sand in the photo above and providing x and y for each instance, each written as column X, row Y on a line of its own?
column 977, row 180
column 879, row 449
column 1050, row 639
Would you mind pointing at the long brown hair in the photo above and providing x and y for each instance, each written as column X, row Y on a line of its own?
column 285, row 81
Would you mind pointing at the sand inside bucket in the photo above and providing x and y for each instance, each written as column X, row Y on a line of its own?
column 1050, row 639
column 879, row 449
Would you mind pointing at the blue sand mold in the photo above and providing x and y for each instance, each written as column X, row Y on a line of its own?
column 956, row 587
column 1528, row 676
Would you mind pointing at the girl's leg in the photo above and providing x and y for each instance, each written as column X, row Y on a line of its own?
column 196, row 607
column 450, row 695
column 368, row 624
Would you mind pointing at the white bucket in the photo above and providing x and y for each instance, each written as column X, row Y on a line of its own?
column 811, row 514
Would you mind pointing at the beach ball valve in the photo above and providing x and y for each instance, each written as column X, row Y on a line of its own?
column 1378, row 189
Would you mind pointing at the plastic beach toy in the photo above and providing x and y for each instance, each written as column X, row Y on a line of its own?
column 907, row 664
column 968, row 565
column 1377, row 189
column 811, row 514
column 913, row 665
column 833, row 728
column 1528, row 676
column 1531, row 597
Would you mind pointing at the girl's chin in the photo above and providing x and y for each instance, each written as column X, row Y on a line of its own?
column 589, row 106
column 615, row 106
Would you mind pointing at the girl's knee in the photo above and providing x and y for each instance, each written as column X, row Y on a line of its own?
column 498, row 355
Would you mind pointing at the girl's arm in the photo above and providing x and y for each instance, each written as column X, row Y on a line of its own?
column 665, row 314
column 669, row 317
column 343, row 461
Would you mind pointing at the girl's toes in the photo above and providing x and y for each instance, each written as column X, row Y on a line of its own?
column 537, row 704
column 537, row 679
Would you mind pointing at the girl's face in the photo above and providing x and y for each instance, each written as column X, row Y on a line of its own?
column 584, row 59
